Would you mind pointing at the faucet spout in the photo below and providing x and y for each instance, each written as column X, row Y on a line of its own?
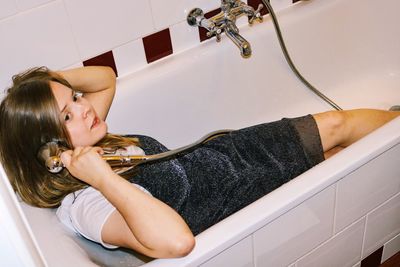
column 233, row 33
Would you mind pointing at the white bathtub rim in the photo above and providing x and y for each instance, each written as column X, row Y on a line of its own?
column 16, row 224
column 225, row 234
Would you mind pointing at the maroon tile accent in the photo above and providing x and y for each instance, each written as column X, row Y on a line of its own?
column 106, row 59
column 373, row 260
column 157, row 45
column 202, row 31
column 255, row 3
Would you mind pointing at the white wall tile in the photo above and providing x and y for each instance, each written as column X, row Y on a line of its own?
column 129, row 57
column 184, row 36
column 8, row 8
column 343, row 250
column 280, row 4
column 27, row 4
column 167, row 13
column 391, row 248
column 239, row 255
column 290, row 236
column 39, row 37
column 367, row 187
column 75, row 65
column 382, row 225
column 101, row 25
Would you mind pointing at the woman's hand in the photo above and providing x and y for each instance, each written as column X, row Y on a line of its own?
column 86, row 164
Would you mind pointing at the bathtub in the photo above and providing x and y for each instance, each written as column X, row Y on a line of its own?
column 335, row 214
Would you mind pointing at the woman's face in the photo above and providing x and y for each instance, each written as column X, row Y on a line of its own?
column 84, row 126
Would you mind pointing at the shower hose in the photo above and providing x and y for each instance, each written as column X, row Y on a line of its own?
column 290, row 62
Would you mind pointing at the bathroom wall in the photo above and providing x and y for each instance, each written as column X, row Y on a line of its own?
column 66, row 33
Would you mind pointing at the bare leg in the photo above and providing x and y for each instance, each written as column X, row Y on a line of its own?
column 339, row 129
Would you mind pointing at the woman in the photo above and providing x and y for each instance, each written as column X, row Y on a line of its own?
column 154, row 208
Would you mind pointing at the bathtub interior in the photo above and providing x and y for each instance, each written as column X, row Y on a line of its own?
column 180, row 98
column 212, row 87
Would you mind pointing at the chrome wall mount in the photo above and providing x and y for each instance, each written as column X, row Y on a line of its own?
column 226, row 21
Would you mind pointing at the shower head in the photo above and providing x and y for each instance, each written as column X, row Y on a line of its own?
column 49, row 154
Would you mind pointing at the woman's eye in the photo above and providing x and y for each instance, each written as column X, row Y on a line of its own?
column 76, row 96
column 67, row 117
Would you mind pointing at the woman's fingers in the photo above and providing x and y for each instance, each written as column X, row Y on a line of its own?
column 66, row 157
column 98, row 150
column 80, row 152
column 86, row 164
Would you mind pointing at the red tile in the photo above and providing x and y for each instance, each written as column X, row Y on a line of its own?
column 373, row 260
column 106, row 59
column 157, row 45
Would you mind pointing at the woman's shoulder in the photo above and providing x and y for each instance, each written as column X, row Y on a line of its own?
column 75, row 197
column 149, row 144
column 85, row 212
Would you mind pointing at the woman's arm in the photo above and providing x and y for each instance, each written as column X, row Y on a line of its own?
column 141, row 222
column 96, row 82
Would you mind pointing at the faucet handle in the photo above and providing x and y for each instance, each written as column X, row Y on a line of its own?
column 217, row 31
column 195, row 17
column 256, row 15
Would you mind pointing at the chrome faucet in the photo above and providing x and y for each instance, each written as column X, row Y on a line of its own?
column 226, row 21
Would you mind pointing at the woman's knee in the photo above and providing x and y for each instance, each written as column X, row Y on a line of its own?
column 332, row 128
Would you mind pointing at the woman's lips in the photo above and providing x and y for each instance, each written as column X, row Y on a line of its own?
column 95, row 122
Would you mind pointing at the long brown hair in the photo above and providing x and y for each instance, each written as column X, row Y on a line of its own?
column 29, row 118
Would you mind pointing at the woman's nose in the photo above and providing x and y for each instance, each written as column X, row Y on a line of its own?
column 86, row 111
column 82, row 108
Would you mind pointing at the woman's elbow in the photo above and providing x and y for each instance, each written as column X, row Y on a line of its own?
column 183, row 246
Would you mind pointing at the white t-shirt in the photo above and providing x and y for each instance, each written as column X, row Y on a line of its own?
column 85, row 211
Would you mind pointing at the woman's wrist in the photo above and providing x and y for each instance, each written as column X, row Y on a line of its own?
column 107, row 181
column 89, row 79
